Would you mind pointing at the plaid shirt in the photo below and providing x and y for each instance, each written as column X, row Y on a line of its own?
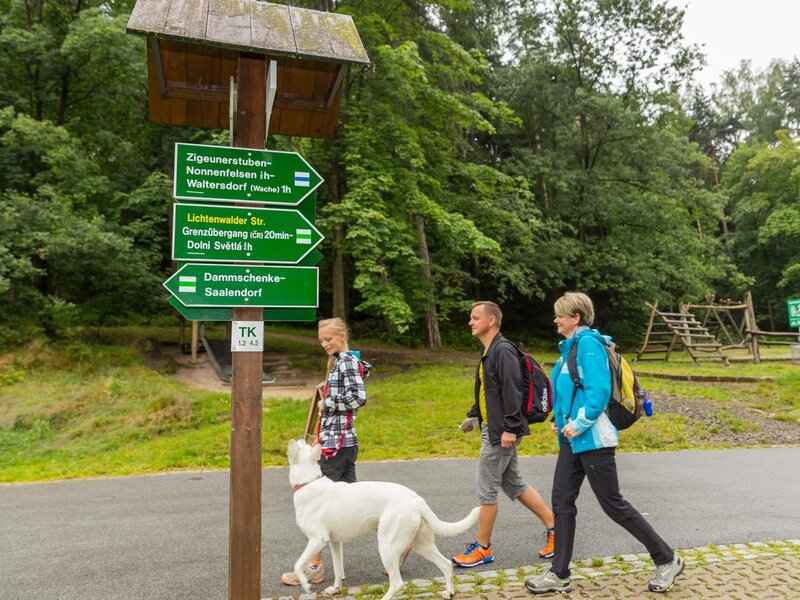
column 345, row 394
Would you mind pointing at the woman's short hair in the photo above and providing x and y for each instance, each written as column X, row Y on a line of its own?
column 491, row 310
column 575, row 303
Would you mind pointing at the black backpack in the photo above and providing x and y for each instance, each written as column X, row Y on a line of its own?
column 537, row 393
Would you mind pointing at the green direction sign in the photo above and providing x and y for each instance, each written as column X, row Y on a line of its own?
column 793, row 306
column 201, row 314
column 226, row 314
column 234, row 234
column 199, row 284
column 242, row 175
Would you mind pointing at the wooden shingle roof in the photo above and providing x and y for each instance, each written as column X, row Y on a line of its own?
column 251, row 26
column 193, row 47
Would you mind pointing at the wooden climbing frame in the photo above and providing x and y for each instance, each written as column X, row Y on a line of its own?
column 668, row 330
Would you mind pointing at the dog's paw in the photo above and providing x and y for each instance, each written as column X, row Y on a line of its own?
column 332, row 590
column 446, row 595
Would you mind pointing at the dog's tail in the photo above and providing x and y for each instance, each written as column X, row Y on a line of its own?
column 445, row 529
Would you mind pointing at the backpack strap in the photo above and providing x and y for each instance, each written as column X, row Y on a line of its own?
column 572, row 366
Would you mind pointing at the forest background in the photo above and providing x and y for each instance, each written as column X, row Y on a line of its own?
column 498, row 149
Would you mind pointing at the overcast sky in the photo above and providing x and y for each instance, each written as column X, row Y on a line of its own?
column 733, row 30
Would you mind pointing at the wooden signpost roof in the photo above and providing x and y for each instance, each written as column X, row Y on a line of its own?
column 193, row 46
column 252, row 26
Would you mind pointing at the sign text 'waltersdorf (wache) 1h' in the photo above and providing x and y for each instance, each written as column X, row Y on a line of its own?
column 206, row 232
column 242, row 175
column 199, row 284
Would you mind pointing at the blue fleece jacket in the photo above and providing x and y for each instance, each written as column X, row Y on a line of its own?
column 587, row 415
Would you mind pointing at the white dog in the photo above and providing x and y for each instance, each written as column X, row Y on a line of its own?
column 332, row 512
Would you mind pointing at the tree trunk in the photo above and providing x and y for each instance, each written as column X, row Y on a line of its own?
column 543, row 184
column 338, row 288
column 723, row 218
column 63, row 96
column 432, row 338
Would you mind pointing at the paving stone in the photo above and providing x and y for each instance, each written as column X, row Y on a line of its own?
column 727, row 572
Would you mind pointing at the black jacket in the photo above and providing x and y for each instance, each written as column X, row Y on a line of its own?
column 502, row 379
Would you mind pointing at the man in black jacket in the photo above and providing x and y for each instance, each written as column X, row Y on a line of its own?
column 498, row 408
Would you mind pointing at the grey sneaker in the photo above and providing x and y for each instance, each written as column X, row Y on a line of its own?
column 547, row 582
column 666, row 574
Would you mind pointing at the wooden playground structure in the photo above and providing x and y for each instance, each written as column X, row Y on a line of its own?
column 708, row 332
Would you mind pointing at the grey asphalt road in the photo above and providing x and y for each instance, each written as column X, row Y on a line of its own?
column 166, row 536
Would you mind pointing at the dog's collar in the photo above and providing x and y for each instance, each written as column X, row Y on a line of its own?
column 299, row 485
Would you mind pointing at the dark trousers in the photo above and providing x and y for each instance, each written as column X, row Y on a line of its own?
column 600, row 468
column 341, row 467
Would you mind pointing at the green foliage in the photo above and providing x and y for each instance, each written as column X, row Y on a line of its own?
column 605, row 149
column 763, row 186
column 406, row 181
column 497, row 149
column 68, row 254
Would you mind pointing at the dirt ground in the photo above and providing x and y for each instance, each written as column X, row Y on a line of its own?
column 171, row 359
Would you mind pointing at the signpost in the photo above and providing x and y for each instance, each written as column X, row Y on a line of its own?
column 793, row 306
column 242, row 175
column 234, row 234
column 199, row 284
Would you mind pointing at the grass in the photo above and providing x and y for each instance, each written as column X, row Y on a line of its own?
column 86, row 408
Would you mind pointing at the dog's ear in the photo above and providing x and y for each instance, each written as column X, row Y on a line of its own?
column 316, row 452
column 291, row 451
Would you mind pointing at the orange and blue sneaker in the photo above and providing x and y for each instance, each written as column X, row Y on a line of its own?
column 549, row 544
column 314, row 573
column 474, row 555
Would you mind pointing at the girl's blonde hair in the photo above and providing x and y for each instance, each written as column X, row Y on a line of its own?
column 339, row 326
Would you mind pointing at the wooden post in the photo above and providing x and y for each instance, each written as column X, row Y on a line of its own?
column 244, row 558
column 195, row 340
column 752, row 326
column 649, row 329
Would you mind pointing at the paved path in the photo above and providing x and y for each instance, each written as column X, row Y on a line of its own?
column 728, row 572
column 166, row 536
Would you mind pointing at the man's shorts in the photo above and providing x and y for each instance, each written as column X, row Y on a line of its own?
column 498, row 468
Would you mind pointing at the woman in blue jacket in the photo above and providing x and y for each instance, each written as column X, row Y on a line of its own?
column 587, row 441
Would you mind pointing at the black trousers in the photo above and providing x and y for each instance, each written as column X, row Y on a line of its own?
column 600, row 468
column 341, row 467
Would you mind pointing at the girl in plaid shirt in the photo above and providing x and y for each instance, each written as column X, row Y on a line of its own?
column 344, row 395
